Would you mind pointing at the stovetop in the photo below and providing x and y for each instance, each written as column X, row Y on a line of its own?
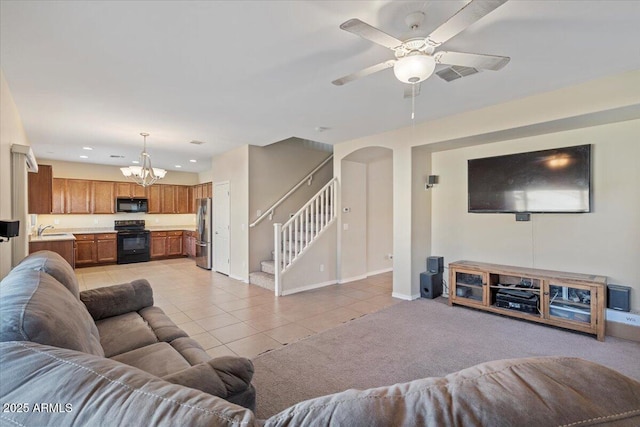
column 129, row 225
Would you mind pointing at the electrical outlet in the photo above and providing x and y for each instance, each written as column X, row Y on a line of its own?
column 157, row 220
column 56, row 221
column 321, row 267
column 345, row 226
column 95, row 220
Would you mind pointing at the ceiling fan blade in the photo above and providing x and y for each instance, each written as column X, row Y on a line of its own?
column 475, row 60
column 370, row 33
column 470, row 13
column 365, row 72
column 408, row 91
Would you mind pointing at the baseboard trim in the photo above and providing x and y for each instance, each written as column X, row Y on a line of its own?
column 405, row 296
column 352, row 279
column 241, row 279
column 622, row 330
column 308, row 287
column 384, row 270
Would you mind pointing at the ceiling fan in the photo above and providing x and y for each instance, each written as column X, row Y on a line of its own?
column 416, row 57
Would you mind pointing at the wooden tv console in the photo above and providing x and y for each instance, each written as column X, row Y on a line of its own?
column 567, row 300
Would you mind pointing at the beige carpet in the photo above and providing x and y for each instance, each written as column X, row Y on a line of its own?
column 416, row 339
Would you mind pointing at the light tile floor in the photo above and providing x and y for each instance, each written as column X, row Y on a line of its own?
column 229, row 317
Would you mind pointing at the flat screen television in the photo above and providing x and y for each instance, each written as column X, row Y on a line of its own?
column 547, row 181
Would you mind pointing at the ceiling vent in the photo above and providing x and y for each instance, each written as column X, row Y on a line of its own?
column 195, row 142
column 455, row 72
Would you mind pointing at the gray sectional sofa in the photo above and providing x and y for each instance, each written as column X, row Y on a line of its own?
column 107, row 357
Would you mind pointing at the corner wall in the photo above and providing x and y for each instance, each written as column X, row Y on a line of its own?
column 11, row 132
column 233, row 166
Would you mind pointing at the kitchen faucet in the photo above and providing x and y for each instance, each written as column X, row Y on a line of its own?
column 41, row 229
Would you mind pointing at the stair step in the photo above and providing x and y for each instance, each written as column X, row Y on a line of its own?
column 268, row 267
column 262, row 279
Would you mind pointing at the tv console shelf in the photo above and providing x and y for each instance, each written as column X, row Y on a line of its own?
column 567, row 300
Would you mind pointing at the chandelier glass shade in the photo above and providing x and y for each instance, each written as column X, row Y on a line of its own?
column 144, row 174
column 414, row 68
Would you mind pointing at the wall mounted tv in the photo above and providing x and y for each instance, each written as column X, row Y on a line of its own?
column 547, row 181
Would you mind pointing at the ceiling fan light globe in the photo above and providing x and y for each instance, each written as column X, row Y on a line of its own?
column 414, row 69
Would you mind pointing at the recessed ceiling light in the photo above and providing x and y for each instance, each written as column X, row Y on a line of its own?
column 87, row 148
column 193, row 161
column 178, row 166
column 135, row 162
column 84, row 157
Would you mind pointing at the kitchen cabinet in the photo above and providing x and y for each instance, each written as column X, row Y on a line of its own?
column 78, row 196
column 168, row 199
column 106, row 247
column 165, row 244
column 174, row 243
column 65, row 248
column 58, row 190
column 40, row 190
column 154, row 195
column 189, row 244
column 95, row 249
column 86, row 253
column 129, row 189
column 158, row 244
column 183, row 203
column 102, row 197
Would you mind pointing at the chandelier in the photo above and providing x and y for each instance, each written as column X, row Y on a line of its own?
column 144, row 175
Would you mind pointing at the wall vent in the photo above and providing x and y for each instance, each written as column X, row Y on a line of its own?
column 455, row 72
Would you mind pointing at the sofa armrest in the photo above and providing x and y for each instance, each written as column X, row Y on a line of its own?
column 118, row 299
column 222, row 377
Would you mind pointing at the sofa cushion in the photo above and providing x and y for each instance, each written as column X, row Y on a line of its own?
column 114, row 300
column 191, row 350
column 542, row 391
column 102, row 392
column 36, row 307
column 158, row 359
column 53, row 264
column 123, row 333
column 162, row 325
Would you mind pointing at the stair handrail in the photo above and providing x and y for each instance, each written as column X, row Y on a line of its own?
column 269, row 212
column 323, row 215
column 293, row 217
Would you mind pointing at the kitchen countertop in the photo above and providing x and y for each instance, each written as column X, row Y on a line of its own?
column 52, row 237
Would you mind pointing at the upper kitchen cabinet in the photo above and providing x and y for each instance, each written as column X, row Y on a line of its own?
column 103, row 197
column 129, row 189
column 78, row 196
column 184, row 199
column 58, row 190
column 40, row 189
column 168, row 198
column 154, row 194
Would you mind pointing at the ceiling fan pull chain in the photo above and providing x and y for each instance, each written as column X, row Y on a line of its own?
column 413, row 101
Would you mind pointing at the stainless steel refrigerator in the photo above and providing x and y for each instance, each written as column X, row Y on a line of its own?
column 204, row 246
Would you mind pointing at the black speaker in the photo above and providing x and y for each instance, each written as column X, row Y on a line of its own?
column 430, row 285
column 9, row 228
column 618, row 297
column 435, row 264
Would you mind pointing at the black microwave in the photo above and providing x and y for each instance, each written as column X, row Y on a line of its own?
column 132, row 205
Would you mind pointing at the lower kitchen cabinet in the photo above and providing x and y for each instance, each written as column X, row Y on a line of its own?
column 166, row 244
column 95, row 249
column 65, row 248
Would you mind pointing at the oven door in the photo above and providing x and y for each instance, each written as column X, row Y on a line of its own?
column 133, row 246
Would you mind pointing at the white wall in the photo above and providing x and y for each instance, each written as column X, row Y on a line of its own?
column 604, row 242
column 273, row 171
column 354, row 223
column 609, row 99
column 11, row 132
column 379, row 215
column 233, row 166
column 78, row 170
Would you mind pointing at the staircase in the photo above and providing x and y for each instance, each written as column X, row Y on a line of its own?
column 292, row 238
